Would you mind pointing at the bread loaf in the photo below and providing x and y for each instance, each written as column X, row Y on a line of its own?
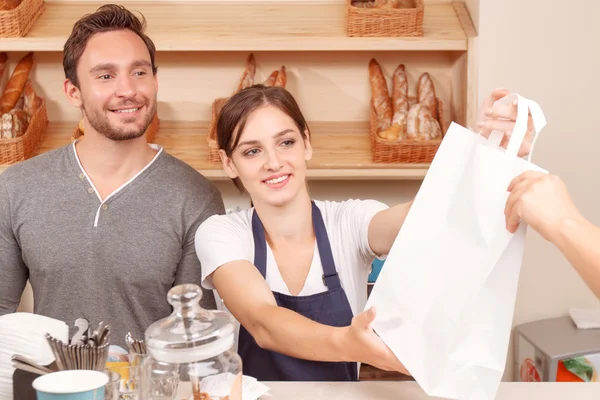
column 247, row 79
column 380, row 97
column 14, row 124
column 400, row 95
column 3, row 62
column 426, row 94
column 272, row 78
column 421, row 125
column 31, row 102
column 16, row 83
column 281, row 79
column 9, row 4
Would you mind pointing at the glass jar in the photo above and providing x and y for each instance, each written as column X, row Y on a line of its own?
column 196, row 346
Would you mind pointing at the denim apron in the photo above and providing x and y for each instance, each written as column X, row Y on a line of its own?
column 329, row 308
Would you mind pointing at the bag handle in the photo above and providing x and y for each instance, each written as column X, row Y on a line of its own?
column 524, row 107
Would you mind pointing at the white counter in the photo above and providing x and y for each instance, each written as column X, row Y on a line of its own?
column 385, row 390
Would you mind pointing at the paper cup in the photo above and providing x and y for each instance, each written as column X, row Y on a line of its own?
column 71, row 385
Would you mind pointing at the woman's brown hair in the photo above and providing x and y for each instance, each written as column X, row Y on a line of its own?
column 234, row 114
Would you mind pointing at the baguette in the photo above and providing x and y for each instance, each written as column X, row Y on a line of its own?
column 3, row 62
column 420, row 124
column 247, row 79
column 281, row 79
column 9, row 4
column 380, row 97
column 426, row 94
column 31, row 102
column 400, row 95
column 272, row 78
column 16, row 83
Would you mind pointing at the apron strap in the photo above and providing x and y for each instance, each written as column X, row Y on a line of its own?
column 330, row 276
column 260, row 245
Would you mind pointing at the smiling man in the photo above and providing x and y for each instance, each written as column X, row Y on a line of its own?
column 104, row 226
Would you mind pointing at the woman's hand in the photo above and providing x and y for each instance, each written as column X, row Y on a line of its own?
column 502, row 118
column 540, row 200
column 363, row 345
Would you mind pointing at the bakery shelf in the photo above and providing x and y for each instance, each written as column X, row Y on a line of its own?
column 337, row 156
column 250, row 26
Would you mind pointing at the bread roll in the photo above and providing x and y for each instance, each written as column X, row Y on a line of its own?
column 380, row 97
column 420, row 124
column 16, row 83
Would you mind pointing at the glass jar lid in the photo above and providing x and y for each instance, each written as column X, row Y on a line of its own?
column 191, row 333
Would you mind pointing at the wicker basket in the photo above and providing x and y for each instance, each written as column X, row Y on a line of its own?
column 213, row 147
column 405, row 151
column 18, row 149
column 18, row 22
column 388, row 22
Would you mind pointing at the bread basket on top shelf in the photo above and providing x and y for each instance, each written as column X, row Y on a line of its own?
column 23, row 147
column 405, row 151
column 384, row 18
column 17, row 21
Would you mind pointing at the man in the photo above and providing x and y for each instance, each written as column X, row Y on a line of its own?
column 104, row 227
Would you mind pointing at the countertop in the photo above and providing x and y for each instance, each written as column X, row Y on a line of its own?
column 386, row 390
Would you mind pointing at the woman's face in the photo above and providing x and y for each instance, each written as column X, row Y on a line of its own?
column 270, row 158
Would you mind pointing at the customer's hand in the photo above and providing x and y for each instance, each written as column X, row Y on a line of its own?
column 502, row 118
column 362, row 344
column 540, row 200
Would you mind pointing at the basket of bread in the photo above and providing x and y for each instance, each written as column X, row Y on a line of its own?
column 150, row 131
column 403, row 128
column 276, row 78
column 17, row 16
column 23, row 116
column 384, row 18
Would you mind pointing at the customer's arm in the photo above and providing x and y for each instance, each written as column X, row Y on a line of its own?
column 13, row 272
column 543, row 202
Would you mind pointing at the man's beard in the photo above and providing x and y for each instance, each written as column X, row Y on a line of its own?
column 101, row 124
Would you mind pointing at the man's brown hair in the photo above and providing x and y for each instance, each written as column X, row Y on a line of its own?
column 109, row 17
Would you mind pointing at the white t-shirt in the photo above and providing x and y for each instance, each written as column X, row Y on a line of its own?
column 225, row 238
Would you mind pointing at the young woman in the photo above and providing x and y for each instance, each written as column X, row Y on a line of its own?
column 291, row 270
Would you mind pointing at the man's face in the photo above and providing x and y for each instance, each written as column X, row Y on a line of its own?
column 117, row 90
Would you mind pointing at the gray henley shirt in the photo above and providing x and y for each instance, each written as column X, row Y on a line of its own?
column 113, row 261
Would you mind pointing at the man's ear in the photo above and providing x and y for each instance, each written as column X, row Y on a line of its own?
column 228, row 165
column 308, row 150
column 73, row 93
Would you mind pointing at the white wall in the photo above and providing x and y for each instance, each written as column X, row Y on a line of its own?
column 549, row 54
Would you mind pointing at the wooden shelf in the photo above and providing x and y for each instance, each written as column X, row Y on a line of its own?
column 256, row 26
column 337, row 156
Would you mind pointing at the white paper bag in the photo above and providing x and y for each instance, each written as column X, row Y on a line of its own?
column 446, row 294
